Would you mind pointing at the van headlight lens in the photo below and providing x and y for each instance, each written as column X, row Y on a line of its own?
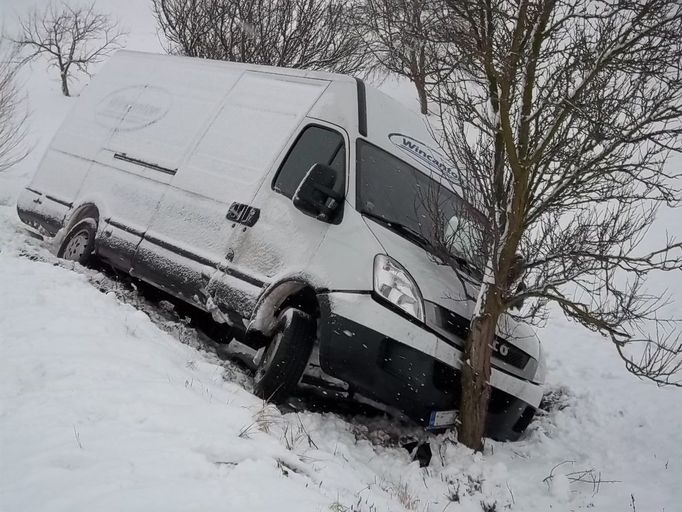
column 395, row 285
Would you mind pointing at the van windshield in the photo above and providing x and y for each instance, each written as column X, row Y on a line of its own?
column 418, row 208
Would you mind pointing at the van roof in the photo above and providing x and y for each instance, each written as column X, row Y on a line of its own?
column 304, row 73
column 387, row 122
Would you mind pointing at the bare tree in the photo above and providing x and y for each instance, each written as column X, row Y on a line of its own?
column 12, row 114
column 561, row 116
column 70, row 37
column 312, row 34
column 401, row 37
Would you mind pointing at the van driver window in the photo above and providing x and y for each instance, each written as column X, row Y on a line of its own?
column 315, row 145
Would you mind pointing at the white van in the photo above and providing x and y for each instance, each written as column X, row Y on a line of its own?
column 282, row 202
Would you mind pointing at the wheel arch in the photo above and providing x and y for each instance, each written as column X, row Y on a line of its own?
column 84, row 211
column 79, row 213
column 290, row 292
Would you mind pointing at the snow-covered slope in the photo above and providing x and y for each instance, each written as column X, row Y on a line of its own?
column 101, row 408
column 107, row 403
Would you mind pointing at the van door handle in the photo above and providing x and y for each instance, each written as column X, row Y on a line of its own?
column 243, row 214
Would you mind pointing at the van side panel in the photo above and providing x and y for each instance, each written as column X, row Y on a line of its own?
column 228, row 165
column 158, row 127
column 95, row 115
column 258, row 117
column 45, row 203
column 339, row 105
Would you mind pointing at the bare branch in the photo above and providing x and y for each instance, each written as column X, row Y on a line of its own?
column 561, row 116
column 310, row 34
column 68, row 37
column 13, row 115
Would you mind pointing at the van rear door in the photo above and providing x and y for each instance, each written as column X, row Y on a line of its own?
column 209, row 198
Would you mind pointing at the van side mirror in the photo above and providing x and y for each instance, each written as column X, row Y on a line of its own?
column 321, row 192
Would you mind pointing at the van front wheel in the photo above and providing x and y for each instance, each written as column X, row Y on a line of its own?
column 79, row 243
column 283, row 361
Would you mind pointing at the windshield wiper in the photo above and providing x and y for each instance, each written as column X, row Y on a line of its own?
column 416, row 237
column 403, row 230
column 464, row 264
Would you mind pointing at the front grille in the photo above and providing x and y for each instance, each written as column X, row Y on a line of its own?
column 451, row 324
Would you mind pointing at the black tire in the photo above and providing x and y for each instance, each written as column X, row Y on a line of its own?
column 285, row 358
column 79, row 243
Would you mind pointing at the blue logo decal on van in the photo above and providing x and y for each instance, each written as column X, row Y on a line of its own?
column 133, row 108
column 426, row 155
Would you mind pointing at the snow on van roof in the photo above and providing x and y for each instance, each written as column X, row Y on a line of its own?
column 304, row 73
column 390, row 124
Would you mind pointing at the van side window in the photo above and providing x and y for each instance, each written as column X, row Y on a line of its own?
column 315, row 145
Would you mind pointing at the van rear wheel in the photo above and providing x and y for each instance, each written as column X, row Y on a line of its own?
column 283, row 360
column 79, row 243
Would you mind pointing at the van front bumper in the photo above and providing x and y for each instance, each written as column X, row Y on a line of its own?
column 386, row 357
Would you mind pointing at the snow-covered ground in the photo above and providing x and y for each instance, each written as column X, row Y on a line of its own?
column 108, row 402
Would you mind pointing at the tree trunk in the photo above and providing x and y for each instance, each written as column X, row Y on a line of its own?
column 65, row 84
column 421, row 91
column 476, row 374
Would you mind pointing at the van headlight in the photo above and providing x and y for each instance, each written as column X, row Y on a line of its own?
column 394, row 284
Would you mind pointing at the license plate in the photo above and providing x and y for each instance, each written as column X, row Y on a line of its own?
column 441, row 419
